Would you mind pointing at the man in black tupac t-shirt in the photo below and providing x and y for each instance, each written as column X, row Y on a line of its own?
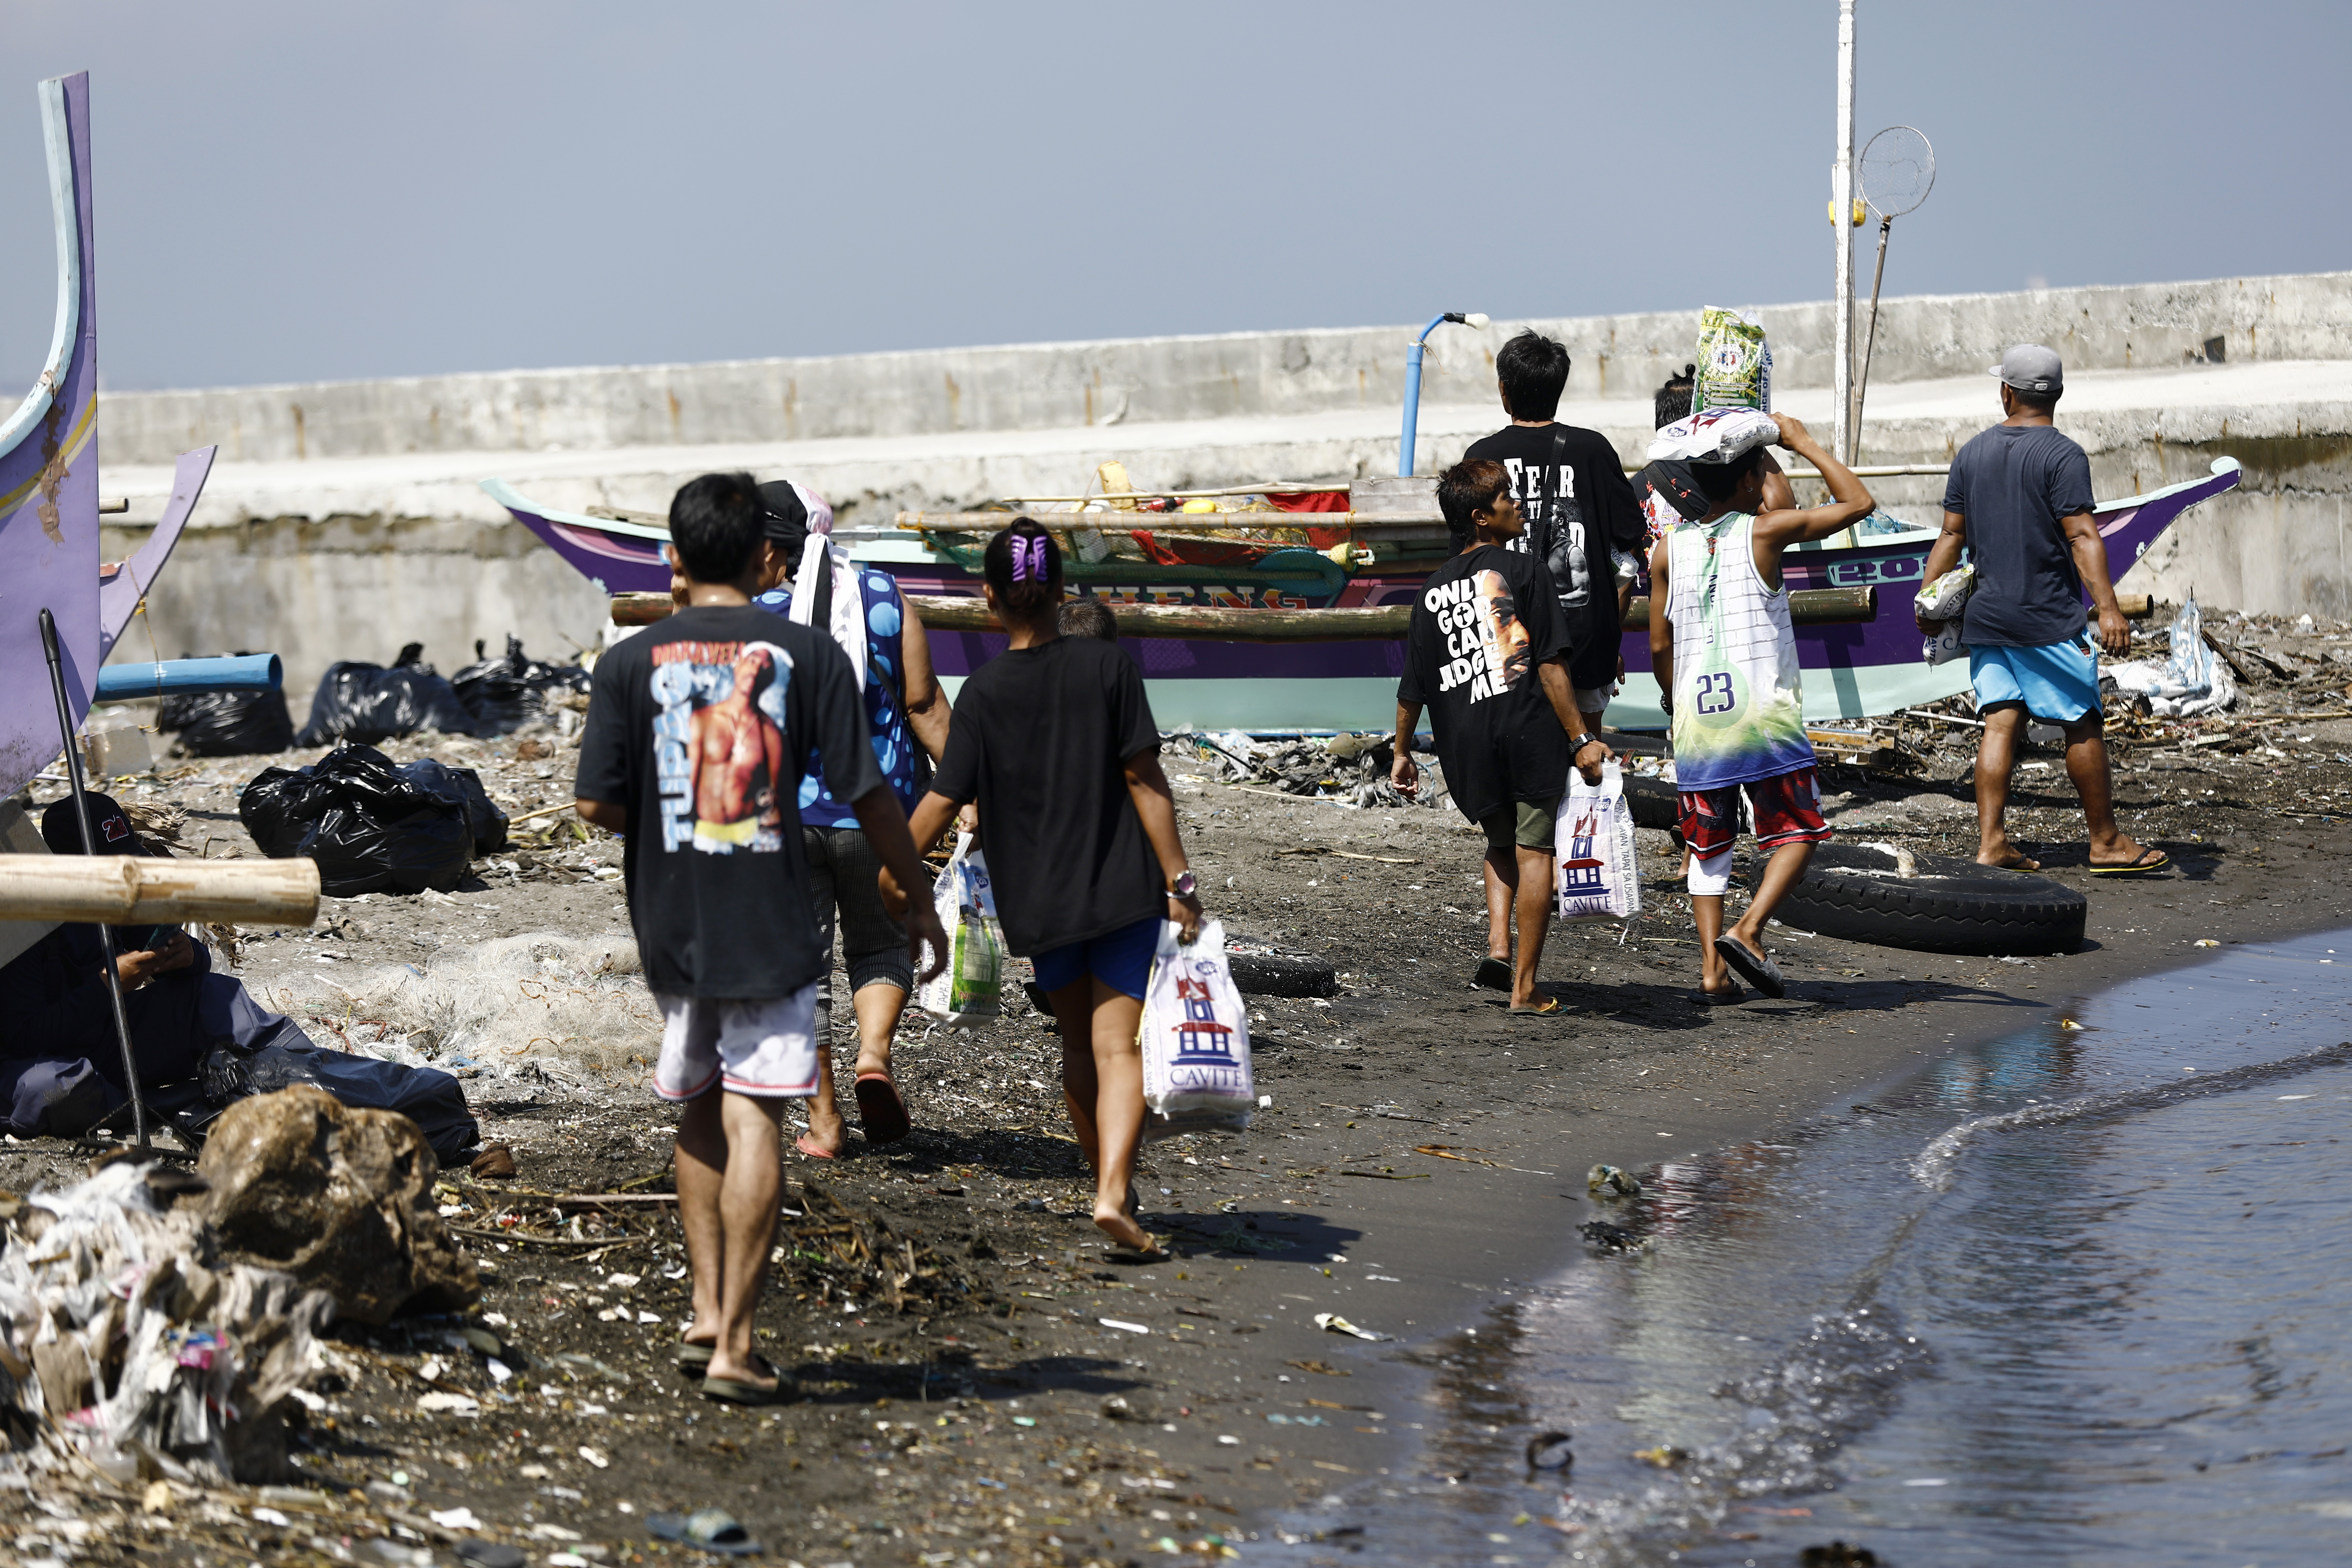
column 1483, row 652
column 1578, row 510
column 698, row 732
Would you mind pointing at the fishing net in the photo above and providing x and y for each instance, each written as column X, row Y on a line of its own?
column 1898, row 169
column 575, row 1008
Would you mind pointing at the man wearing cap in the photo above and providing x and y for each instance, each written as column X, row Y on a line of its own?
column 2018, row 500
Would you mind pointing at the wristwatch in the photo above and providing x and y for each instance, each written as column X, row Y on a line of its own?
column 1185, row 885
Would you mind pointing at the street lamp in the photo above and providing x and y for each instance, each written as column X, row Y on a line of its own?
column 1475, row 319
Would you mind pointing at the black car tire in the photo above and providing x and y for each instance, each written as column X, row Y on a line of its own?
column 1853, row 892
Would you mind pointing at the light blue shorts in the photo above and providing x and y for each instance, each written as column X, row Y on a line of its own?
column 2059, row 683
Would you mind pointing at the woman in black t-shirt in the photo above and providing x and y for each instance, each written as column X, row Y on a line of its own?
column 1055, row 741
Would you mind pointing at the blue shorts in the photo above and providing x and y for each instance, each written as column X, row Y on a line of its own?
column 2059, row 683
column 1119, row 959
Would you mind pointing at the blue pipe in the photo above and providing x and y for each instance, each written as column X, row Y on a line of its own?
column 188, row 677
column 1413, row 392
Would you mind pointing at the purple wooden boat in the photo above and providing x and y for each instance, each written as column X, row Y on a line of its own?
column 1864, row 669
column 48, row 482
column 48, row 472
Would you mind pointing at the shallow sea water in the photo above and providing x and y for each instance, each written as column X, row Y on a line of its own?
column 2081, row 1294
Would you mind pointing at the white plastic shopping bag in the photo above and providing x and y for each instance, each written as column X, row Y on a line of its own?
column 1597, row 877
column 965, row 992
column 1195, row 1038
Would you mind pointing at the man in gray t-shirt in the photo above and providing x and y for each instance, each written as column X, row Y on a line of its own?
column 2018, row 500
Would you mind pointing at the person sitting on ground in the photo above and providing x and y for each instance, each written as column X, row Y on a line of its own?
column 1487, row 653
column 1577, row 513
column 720, row 906
column 1055, row 741
column 1726, row 657
column 2018, row 500
column 907, row 716
column 1088, row 616
column 199, row 1040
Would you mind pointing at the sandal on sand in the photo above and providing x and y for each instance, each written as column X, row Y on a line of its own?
column 1548, row 1008
column 2139, row 865
column 712, row 1530
column 881, row 1114
column 808, row 1146
column 1494, row 973
column 1730, row 996
column 1758, row 971
column 692, row 1357
column 729, row 1391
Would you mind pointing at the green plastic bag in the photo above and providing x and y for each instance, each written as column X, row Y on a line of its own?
column 966, row 991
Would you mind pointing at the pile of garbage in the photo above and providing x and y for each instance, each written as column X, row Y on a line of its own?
column 371, row 825
column 127, row 1341
column 1353, row 768
column 371, row 702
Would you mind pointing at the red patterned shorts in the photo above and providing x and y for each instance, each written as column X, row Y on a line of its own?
column 1787, row 807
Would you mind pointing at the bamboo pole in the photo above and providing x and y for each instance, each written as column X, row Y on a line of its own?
column 1216, row 623
column 129, row 889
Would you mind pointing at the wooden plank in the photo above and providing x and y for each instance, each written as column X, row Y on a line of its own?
column 1399, row 522
column 1807, row 606
column 126, row 890
column 963, row 613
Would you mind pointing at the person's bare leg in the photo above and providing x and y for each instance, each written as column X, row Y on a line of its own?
column 1706, row 913
column 826, row 1130
column 1772, row 884
column 1996, row 761
column 1117, row 1112
column 1533, row 876
column 747, row 1213
column 1074, row 1006
column 879, row 1003
column 1501, row 875
column 2087, row 764
column 701, row 1172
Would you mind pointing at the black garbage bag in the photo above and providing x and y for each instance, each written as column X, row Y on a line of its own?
column 432, row 1099
column 484, row 821
column 503, row 693
column 370, row 702
column 228, row 723
column 372, row 826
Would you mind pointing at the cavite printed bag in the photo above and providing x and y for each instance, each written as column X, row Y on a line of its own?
column 965, row 993
column 1592, row 849
column 1195, row 1039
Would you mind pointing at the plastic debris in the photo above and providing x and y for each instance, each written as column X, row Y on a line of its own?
column 1608, row 1182
column 1332, row 1323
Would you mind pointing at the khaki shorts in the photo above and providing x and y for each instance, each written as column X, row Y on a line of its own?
column 765, row 1048
column 1528, row 824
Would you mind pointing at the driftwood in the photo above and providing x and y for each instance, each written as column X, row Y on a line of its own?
column 1211, row 622
column 128, row 890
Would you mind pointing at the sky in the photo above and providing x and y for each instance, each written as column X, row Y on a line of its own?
column 298, row 191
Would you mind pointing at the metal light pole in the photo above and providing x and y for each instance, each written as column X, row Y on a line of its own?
column 1841, row 215
column 1412, row 382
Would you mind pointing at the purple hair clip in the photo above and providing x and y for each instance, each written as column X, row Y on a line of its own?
column 1029, row 559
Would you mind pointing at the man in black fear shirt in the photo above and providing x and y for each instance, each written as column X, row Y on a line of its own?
column 1579, row 512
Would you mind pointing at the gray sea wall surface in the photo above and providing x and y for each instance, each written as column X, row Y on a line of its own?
column 343, row 519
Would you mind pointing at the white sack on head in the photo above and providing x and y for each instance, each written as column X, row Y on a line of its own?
column 1713, row 436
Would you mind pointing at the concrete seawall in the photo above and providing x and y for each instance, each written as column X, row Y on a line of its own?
column 343, row 518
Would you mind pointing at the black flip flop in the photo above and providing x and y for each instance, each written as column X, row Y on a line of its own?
column 1760, row 971
column 712, row 1530
column 692, row 1358
column 728, row 1391
column 1494, row 973
column 881, row 1114
column 1730, row 996
column 2138, row 866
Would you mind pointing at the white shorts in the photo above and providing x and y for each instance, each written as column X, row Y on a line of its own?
column 765, row 1048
